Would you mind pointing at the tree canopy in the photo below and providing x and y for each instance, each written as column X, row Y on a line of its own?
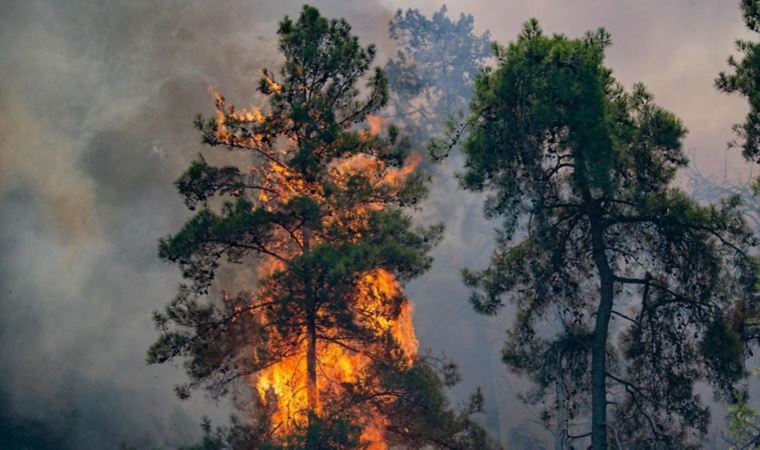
column 744, row 79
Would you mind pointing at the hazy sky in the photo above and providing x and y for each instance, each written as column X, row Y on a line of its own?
column 96, row 109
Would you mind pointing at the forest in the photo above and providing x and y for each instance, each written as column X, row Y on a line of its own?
column 438, row 240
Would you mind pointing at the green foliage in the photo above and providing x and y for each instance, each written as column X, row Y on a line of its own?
column 744, row 78
column 335, row 433
column 580, row 172
column 421, row 404
column 210, row 440
column 743, row 426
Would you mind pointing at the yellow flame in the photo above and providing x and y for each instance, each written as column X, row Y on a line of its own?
column 286, row 381
column 273, row 85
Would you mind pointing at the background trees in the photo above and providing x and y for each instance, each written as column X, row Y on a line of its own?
column 431, row 81
column 432, row 74
column 580, row 173
column 325, row 340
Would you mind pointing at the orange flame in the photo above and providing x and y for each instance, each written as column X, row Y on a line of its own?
column 273, row 85
column 285, row 383
column 375, row 124
column 283, row 386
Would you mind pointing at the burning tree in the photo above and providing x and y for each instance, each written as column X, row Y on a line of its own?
column 325, row 341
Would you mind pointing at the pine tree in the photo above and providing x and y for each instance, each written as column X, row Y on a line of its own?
column 745, row 79
column 432, row 73
column 325, row 340
column 744, row 421
column 627, row 292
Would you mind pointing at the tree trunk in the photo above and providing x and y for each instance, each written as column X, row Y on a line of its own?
column 601, row 329
column 559, row 430
column 311, row 365
column 312, row 393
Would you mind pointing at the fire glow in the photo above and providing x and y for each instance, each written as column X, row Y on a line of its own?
column 284, row 386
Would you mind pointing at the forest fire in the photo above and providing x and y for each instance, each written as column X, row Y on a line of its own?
column 286, row 382
column 579, row 261
column 324, row 342
column 283, row 386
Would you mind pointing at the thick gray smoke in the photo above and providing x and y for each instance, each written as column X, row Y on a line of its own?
column 96, row 116
column 96, row 109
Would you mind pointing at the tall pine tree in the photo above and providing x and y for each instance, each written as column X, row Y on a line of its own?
column 627, row 292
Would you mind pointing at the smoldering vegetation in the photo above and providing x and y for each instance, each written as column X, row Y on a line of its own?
column 96, row 123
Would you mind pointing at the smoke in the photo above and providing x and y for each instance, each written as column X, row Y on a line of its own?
column 676, row 48
column 96, row 116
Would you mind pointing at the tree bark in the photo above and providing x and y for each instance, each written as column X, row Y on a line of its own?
column 601, row 330
column 312, row 392
column 311, row 364
column 559, row 430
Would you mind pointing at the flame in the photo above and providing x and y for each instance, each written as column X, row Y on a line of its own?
column 396, row 176
column 282, row 387
column 379, row 285
column 285, row 383
column 226, row 114
column 375, row 124
column 273, row 85
column 373, row 436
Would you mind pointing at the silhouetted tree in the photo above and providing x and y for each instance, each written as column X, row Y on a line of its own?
column 709, row 189
column 744, row 421
column 432, row 74
column 431, row 80
column 580, row 171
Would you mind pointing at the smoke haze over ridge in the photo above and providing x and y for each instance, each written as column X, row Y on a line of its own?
column 96, row 116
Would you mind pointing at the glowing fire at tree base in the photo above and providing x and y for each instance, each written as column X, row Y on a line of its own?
column 283, row 386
